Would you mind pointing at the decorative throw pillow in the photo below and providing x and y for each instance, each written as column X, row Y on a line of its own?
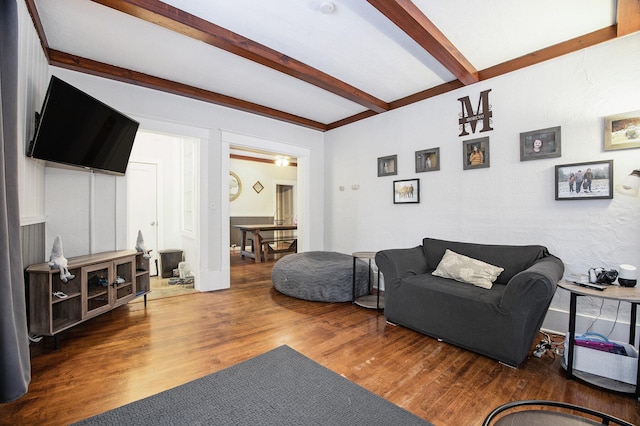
column 467, row 270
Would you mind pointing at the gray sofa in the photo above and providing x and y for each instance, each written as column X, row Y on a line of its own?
column 500, row 322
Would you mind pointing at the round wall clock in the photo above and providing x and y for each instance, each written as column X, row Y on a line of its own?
column 235, row 186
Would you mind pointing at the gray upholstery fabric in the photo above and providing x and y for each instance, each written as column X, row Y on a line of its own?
column 320, row 276
column 15, row 366
column 500, row 323
column 512, row 258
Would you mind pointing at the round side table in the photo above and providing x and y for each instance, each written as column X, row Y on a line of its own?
column 612, row 292
column 371, row 301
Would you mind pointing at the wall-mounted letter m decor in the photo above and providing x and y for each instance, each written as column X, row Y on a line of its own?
column 469, row 116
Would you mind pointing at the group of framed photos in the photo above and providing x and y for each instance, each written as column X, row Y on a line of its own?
column 577, row 181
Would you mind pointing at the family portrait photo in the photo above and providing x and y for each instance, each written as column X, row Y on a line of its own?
column 584, row 181
column 406, row 191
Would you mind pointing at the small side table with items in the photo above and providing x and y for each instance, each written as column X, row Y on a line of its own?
column 368, row 301
column 611, row 292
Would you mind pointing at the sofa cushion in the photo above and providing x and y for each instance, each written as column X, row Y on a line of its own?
column 467, row 270
column 513, row 259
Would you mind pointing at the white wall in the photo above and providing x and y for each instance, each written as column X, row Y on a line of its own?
column 250, row 202
column 511, row 202
column 33, row 77
column 87, row 210
column 172, row 114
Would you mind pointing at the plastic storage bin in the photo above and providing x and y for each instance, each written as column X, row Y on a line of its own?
column 605, row 364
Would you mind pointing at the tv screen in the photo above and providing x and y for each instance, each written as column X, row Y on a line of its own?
column 78, row 130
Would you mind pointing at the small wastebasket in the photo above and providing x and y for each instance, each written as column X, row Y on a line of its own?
column 169, row 260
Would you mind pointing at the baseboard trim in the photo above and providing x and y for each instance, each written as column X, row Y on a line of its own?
column 557, row 322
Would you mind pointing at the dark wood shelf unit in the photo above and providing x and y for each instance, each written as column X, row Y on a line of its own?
column 102, row 282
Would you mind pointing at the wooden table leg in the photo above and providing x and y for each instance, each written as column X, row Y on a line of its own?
column 257, row 244
column 243, row 251
column 244, row 243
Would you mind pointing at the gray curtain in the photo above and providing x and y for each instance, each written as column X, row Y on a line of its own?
column 15, row 367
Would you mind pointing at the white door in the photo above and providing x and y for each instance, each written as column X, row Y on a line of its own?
column 142, row 208
column 284, row 208
column 284, row 204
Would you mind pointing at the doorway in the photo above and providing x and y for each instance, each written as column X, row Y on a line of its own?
column 263, row 193
column 162, row 198
column 302, row 201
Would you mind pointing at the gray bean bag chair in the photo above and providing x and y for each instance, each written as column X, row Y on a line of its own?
column 320, row 276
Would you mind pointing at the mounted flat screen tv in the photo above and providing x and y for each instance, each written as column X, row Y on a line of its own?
column 75, row 129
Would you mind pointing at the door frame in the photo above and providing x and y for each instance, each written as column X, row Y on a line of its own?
column 242, row 141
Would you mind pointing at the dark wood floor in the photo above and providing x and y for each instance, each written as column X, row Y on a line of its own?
column 133, row 352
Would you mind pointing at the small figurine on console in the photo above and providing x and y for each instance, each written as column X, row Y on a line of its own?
column 57, row 260
column 140, row 246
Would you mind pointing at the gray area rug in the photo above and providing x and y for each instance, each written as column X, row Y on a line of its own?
column 279, row 387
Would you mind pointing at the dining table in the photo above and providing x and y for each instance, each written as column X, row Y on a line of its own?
column 255, row 231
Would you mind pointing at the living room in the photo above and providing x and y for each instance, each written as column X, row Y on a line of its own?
column 344, row 203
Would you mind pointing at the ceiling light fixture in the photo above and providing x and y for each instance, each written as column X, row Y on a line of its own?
column 282, row 161
column 327, row 7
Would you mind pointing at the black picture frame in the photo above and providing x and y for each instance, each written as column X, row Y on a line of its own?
column 539, row 144
column 406, row 191
column 388, row 166
column 599, row 187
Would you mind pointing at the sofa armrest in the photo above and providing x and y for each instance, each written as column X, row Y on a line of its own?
column 534, row 286
column 398, row 263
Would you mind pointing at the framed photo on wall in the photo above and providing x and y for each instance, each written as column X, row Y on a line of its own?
column 428, row 160
column 585, row 181
column 538, row 144
column 406, row 191
column 388, row 166
column 475, row 153
column 622, row 131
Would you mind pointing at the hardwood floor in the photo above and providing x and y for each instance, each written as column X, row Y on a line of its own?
column 134, row 352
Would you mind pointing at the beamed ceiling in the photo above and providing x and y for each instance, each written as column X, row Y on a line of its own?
column 290, row 60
